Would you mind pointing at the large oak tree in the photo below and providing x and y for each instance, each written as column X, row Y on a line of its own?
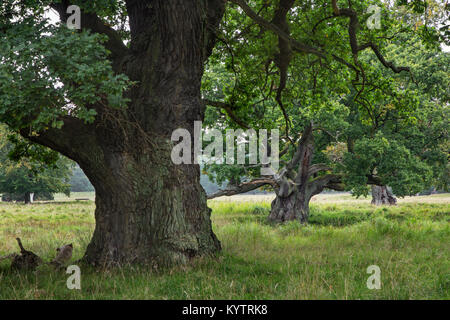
column 361, row 131
column 109, row 97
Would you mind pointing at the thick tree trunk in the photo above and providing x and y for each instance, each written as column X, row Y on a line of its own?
column 28, row 198
column 295, row 190
column 150, row 211
column 382, row 195
column 293, row 207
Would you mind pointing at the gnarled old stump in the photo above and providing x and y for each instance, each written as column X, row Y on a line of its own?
column 295, row 184
column 383, row 195
column 27, row 260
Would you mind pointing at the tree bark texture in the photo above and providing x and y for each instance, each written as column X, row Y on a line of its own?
column 148, row 210
column 382, row 195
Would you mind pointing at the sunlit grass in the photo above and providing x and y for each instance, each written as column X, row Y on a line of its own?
column 326, row 259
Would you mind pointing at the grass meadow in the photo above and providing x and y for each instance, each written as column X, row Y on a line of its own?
column 326, row 259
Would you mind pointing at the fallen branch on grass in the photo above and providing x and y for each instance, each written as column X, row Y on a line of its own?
column 28, row 260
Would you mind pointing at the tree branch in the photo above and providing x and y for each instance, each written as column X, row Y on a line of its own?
column 215, row 11
column 73, row 139
column 330, row 181
column 90, row 21
column 352, row 29
column 296, row 45
column 315, row 168
column 301, row 47
column 229, row 110
column 243, row 187
column 284, row 57
column 306, row 135
column 387, row 64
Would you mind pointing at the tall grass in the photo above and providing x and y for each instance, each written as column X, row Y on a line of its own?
column 326, row 259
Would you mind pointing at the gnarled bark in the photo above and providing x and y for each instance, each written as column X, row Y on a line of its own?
column 294, row 193
column 148, row 210
column 293, row 207
column 382, row 195
column 149, row 213
column 295, row 204
column 296, row 184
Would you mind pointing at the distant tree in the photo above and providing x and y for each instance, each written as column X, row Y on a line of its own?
column 22, row 176
column 383, row 195
column 110, row 95
column 384, row 129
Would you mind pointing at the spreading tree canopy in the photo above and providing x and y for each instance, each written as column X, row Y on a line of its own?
column 109, row 95
column 380, row 128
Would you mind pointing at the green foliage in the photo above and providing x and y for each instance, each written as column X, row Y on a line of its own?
column 27, row 175
column 430, row 18
column 49, row 71
column 401, row 139
column 396, row 124
column 389, row 160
